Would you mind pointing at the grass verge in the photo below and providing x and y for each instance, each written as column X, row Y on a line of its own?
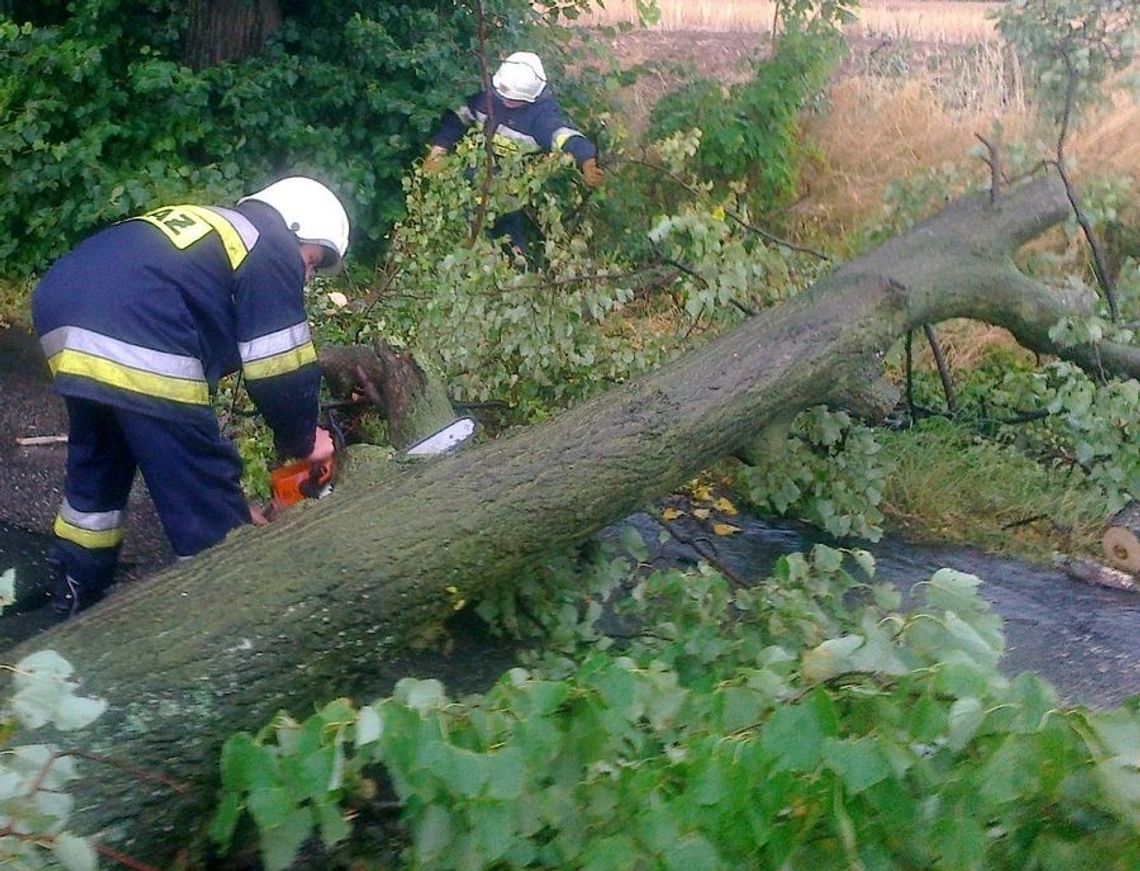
column 950, row 486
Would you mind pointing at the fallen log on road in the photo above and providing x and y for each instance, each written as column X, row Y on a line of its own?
column 324, row 601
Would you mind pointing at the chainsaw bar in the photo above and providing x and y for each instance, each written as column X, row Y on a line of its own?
column 447, row 439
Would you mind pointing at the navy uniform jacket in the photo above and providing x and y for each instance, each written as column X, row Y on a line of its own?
column 151, row 312
column 531, row 127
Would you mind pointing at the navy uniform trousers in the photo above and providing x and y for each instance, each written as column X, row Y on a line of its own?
column 192, row 472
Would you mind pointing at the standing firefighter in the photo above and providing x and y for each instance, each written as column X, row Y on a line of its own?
column 525, row 116
column 139, row 322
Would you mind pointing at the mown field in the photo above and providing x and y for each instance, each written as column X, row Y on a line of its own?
column 921, row 82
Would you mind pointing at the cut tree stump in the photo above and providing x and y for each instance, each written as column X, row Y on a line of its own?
column 1121, row 539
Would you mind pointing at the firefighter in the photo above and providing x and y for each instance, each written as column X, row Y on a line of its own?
column 138, row 323
column 524, row 116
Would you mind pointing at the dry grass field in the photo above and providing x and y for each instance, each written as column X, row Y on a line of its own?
column 922, row 81
column 912, row 19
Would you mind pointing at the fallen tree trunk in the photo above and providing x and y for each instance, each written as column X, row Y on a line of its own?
column 323, row 601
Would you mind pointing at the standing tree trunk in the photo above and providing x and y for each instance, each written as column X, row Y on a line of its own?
column 222, row 30
column 323, row 602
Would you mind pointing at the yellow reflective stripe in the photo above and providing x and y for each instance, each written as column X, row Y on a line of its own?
column 87, row 538
column 231, row 238
column 185, row 225
column 132, row 356
column 280, row 364
column 277, row 342
column 563, row 135
column 72, row 362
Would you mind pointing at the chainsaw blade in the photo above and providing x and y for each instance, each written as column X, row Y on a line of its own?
column 447, row 439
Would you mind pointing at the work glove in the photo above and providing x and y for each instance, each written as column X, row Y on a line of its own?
column 592, row 173
column 434, row 160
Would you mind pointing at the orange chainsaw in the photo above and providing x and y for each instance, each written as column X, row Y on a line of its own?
column 301, row 480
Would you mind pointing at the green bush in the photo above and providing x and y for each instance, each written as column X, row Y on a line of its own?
column 751, row 131
column 101, row 118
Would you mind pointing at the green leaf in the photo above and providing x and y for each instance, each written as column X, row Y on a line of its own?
column 693, row 853
column 506, row 773
column 962, row 679
column 830, row 658
column 270, row 806
column 75, row 712
column 966, row 716
column 859, row 762
column 493, row 826
column 280, row 845
column 929, row 719
column 332, row 822
column 369, row 726
column 247, row 765
column 827, row 559
column 338, row 712
column 1119, row 730
column 633, row 542
column 225, row 820
column 464, row 772
column 420, row 695
column 866, row 561
column 794, row 734
column 433, row 835
column 1119, row 777
column 983, row 650
column 74, row 853
column 739, row 708
column 1011, row 773
column 952, row 590
column 960, row 842
column 314, row 771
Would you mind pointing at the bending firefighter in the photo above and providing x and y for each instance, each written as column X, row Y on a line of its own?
column 525, row 116
column 139, row 322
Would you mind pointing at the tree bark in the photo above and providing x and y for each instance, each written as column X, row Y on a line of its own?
column 414, row 403
column 221, row 30
column 323, row 602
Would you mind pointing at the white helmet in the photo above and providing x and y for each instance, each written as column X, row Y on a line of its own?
column 311, row 211
column 520, row 77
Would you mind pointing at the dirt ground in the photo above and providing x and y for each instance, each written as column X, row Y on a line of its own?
column 34, row 474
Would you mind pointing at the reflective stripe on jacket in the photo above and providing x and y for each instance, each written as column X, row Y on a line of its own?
column 150, row 313
column 537, row 126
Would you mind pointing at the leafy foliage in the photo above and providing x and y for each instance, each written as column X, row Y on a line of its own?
column 34, row 803
column 780, row 725
column 827, row 471
column 751, row 130
column 535, row 330
column 102, row 118
column 1092, row 428
column 1071, row 47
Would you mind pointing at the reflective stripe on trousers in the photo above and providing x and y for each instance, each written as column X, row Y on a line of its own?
column 192, row 472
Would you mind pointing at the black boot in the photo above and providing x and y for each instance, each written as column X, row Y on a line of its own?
column 68, row 596
column 65, row 600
